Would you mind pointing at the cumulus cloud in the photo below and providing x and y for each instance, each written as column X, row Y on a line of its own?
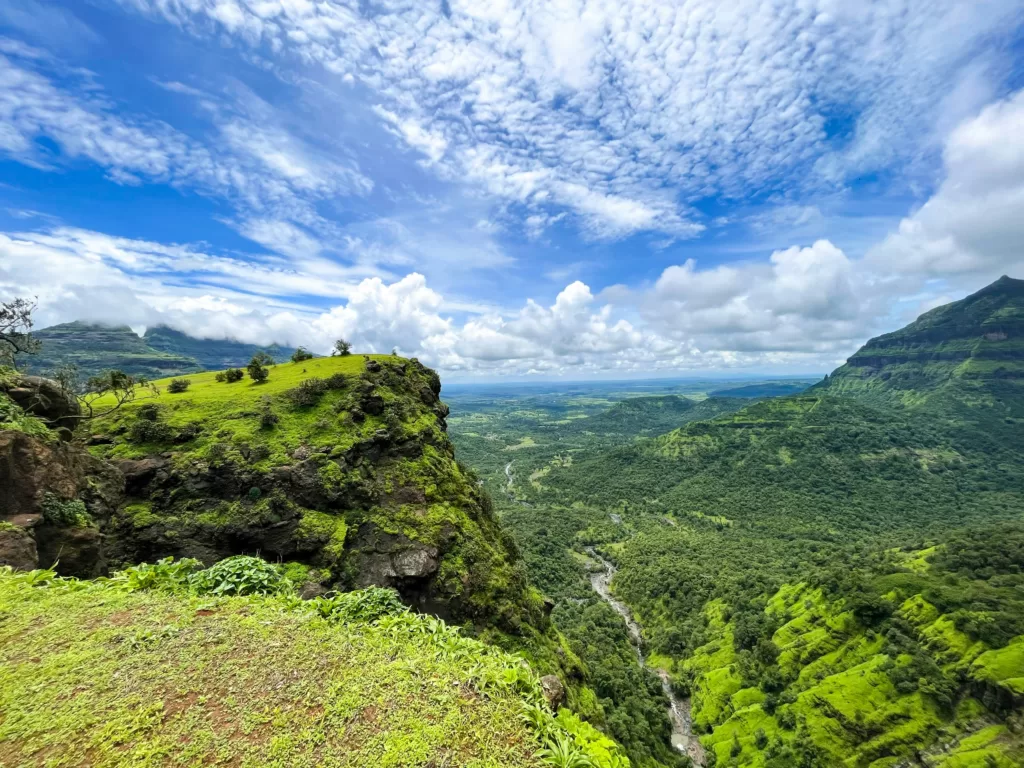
column 793, row 311
column 972, row 227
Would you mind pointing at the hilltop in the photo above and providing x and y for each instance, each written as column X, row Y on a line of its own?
column 970, row 351
column 158, row 353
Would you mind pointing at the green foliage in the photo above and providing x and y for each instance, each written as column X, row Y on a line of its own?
column 14, row 418
column 301, row 354
column 257, row 367
column 70, row 513
column 341, row 348
column 167, row 574
column 176, row 386
column 241, row 575
column 308, row 393
column 362, row 605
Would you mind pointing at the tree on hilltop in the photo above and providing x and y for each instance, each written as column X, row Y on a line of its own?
column 342, row 348
column 258, row 367
column 301, row 354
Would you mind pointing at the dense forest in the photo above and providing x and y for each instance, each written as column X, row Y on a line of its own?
column 833, row 576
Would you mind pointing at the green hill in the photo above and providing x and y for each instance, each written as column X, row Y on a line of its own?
column 159, row 353
column 970, row 351
column 212, row 354
column 766, row 389
column 97, row 348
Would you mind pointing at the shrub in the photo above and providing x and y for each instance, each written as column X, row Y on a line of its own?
column 267, row 416
column 362, row 605
column 240, row 575
column 337, row 381
column 341, row 347
column 145, row 431
column 221, row 377
column 301, row 354
column 307, row 393
column 232, row 375
column 65, row 514
column 257, row 367
column 148, row 412
column 166, row 574
column 178, row 385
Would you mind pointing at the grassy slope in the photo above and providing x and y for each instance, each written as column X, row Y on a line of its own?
column 99, row 676
column 211, row 403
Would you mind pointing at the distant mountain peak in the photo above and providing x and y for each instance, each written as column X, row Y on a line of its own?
column 976, row 343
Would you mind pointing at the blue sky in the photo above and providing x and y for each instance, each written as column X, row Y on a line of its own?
column 508, row 189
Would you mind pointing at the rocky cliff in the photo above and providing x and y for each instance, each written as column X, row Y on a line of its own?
column 340, row 466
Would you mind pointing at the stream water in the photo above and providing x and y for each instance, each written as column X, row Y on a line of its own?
column 683, row 738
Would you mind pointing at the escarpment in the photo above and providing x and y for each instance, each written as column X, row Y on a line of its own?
column 342, row 465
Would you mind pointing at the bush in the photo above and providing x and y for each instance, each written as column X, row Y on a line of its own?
column 232, row 375
column 240, row 575
column 257, row 367
column 145, row 431
column 363, row 605
column 337, row 381
column 65, row 514
column 166, row 574
column 308, row 392
column 301, row 354
column 267, row 416
column 221, row 377
column 178, row 385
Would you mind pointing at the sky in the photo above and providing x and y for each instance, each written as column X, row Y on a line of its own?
column 513, row 189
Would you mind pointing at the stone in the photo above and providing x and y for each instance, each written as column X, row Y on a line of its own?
column 18, row 548
column 72, row 551
column 554, row 691
column 138, row 473
column 46, row 399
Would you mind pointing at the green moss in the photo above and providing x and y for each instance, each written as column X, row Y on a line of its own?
column 329, row 531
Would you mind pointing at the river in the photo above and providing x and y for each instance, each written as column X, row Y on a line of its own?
column 683, row 738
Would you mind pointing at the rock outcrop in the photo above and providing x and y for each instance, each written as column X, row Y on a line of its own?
column 45, row 399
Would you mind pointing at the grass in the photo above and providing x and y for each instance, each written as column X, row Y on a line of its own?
column 106, row 674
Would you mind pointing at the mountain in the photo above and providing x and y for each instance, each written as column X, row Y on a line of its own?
column 96, row 348
column 160, row 352
column 212, row 354
column 970, row 351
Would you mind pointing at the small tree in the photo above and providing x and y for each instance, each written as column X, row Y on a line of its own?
column 178, row 385
column 16, row 330
column 232, row 375
column 301, row 354
column 117, row 386
column 342, row 348
column 257, row 367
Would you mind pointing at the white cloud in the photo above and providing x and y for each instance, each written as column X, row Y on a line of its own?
column 622, row 112
column 972, row 228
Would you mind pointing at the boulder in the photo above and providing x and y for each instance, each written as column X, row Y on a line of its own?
column 72, row 551
column 46, row 399
column 18, row 548
column 554, row 691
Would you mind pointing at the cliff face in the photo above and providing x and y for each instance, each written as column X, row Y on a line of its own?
column 970, row 345
column 341, row 466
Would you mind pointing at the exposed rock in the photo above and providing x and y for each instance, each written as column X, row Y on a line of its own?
column 138, row 473
column 71, row 551
column 392, row 559
column 18, row 548
column 373, row 404
column 46, row 399
column 372, row 366
column 554, row 691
